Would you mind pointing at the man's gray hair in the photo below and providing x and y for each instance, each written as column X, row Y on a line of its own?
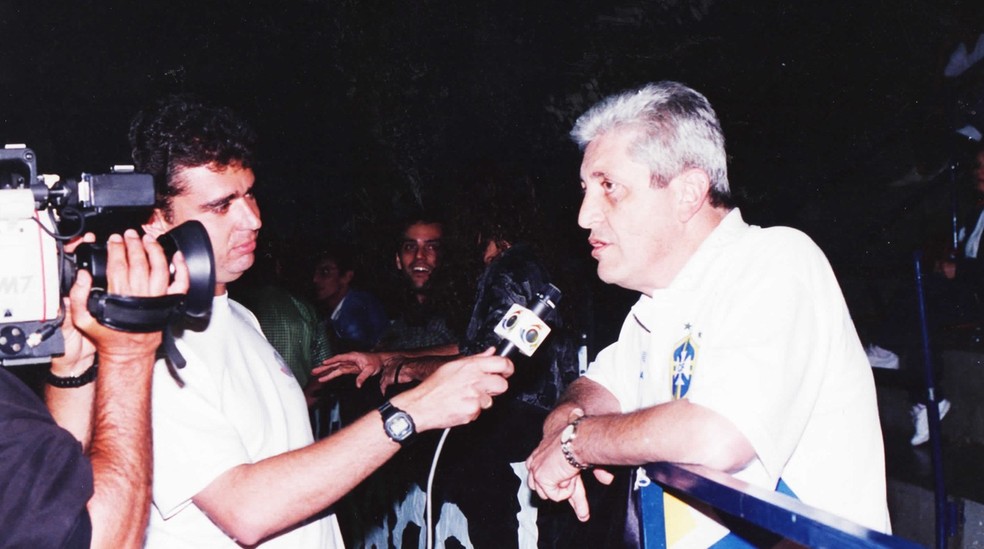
column 678, row 130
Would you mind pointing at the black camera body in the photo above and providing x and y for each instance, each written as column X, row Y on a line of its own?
column 35, row 272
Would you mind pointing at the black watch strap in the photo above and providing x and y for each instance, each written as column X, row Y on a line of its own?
column 72, row 382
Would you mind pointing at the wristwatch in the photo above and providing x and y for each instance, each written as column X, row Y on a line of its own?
column 397, row 423
column 567, row 437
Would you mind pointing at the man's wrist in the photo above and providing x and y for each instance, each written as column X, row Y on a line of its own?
column 72, row 382
column 397, row 423
column 126, row 358
column 62, row 368
column 397, row 363
column 559, row 418
column 408, row 402
column 567, row 438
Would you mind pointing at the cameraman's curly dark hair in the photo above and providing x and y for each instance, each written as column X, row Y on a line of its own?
column 181, row 131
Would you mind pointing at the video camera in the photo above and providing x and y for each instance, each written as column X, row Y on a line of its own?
column 36, row 272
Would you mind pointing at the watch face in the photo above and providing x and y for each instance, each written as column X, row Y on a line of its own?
column 399, row 426
column 397, row 423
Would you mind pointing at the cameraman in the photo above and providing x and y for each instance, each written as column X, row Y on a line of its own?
column 56, row 492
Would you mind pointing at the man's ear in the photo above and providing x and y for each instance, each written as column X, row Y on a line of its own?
column 347, row 277
column 399, row 263
column 693, row 187
column 157, row 224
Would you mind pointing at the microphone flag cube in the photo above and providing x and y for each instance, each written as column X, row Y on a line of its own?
column 523, row 328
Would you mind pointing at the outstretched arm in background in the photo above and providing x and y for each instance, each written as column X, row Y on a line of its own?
column 409, row 365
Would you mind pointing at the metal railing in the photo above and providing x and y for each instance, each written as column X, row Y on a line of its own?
column 774, row 512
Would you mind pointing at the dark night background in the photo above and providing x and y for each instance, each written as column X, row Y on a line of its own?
column 364, row 107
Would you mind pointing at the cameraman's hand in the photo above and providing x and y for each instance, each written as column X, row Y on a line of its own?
column 79, row 350
column 134, row 267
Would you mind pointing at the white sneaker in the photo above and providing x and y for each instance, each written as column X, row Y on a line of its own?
column 920, row 419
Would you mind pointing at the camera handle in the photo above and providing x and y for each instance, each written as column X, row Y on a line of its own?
column 142, row 315
column 134, row 314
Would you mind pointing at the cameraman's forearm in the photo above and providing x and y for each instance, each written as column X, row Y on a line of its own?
column 121, row 451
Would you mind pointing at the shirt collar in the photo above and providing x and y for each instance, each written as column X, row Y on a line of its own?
column 728, row 230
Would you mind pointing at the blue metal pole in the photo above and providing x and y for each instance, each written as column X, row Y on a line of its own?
column 933, row 413
column 954, row 222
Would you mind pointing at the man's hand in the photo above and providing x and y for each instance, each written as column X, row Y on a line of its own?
column 134, row 267
column 457, row 392
column 364, row 365
column 553, row 478
column 79, row 351
column 129, row 273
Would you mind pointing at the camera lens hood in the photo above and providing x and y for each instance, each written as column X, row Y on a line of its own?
column 191, row 239
column 151, row 314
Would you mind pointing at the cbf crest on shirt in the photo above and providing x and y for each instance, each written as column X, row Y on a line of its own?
column 683, row 362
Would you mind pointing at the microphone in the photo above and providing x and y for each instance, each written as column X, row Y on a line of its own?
column 521, row 329
column 525, row 329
